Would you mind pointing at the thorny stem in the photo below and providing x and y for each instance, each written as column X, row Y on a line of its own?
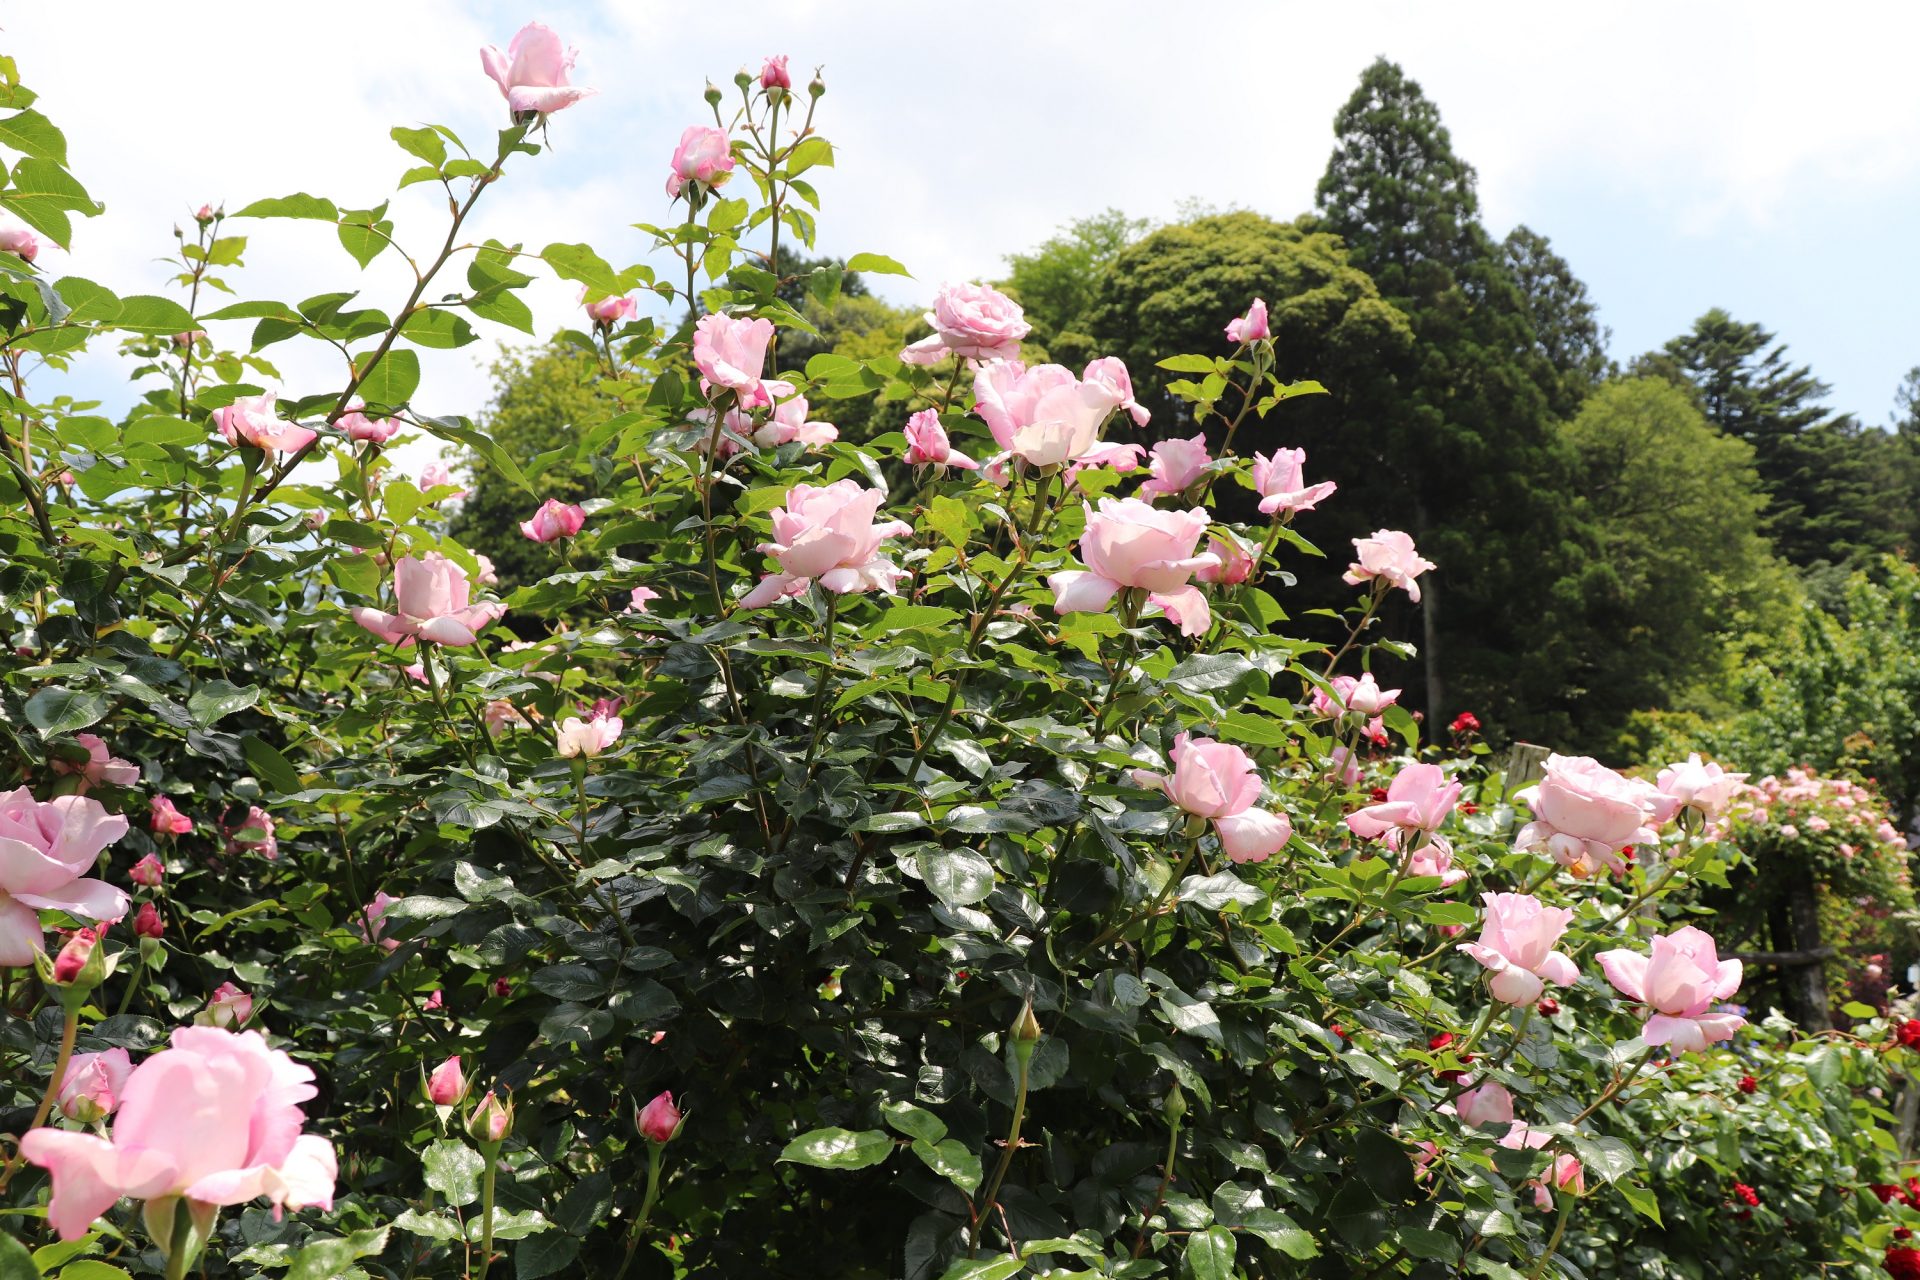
column 1006, row 1156
column 68, row 1030
column 654, row 1150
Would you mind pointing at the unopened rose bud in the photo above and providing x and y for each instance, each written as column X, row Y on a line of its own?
column 81, row 962
column 659, row 1120
column 149, row 871
column 491, row 1121
column 447, row 1086
column 147, row 924
column 229, row 1007
column 743, row 77
column 1175, row 1106
column 91, row 1088
column 713, row 94
column 1026, row 1031
column 203, row 214
column 503, row 987
column 816, row 86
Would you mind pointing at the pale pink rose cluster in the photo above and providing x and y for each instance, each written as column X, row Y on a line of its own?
column 1419, row 801
column 972, row 321
column 433, row 599
column 828, row 534
column 47, row 847
column 1584, row 814
column 212, row 1120
column 1219, row 782
column 1132, row 545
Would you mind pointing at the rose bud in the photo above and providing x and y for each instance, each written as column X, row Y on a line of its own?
column 659, row 1120
column 447, row 1086
column 148, row 872
column 147, row 924
column 491, row 1121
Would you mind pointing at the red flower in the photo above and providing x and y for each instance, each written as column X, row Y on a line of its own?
column 1886, row 1191
column 1902, row 1233
column 1338, row 1030
column 1746, row 1195
column 1468, row 807
column 502, row 986
column 1464, row 723
column 1749, row 1085
column 1378, row 795
column 1440, row 1041
column 1903, row 1263
column 1907, row 1034
column 1548, row 1006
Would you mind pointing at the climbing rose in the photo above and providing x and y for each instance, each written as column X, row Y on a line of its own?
column 588, row 738
column 829, row 534
column 431, row 593
column 1045, row 416
column 972, row 321
column 532, row 73
column 1679, row 981
column 1517, row 937
column 101, row 765
column 732, row 353
column 554, row 520
column 1252, row 326
column 1585, row 814
column 94, row 1084
column 1282, row 485
column 1388, row 556
column 659, row 1120
column 1132, row 544
column 251, row 420
column 773, row 73
column 704, row 156
column 215, row 1118
column 1177, row 464
column 46, row 849
column 927, row 444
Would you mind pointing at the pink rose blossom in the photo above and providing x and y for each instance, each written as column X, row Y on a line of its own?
column 1419, row 799
column 1045, row 416
column 447, row 1086
column 1177, row 465
column 533, row 72
column 101, row 767
column 501, row 715
column 373, row 919
column 828, row 534
column 359, row 426
column 639, row 597
column 1253, row 836
column 1389, row 557
column 773, row 73
column 704, row 156
column 1585, row 813
column 972, row 321
column 214, row 1119
column 1345, row 694
column 608, row 312
column 47, row 847
column 94, row 1084
column 229, row 1006
column 147, row 922
column 554, row 520
column 1132, row 544
column 22, row 242
column 264, row 843
column 1487, row 1103
column 1434, row 857
column 251, row 420
column 927, row 444
column 436, row 476
column 1111, row 373
column 732, row 353
column 1217, row 780
column 1236, row 562
column 431, row 594
column 1343, row 766
column 587, row 738
column 485, row 575
column 1517, row 937
column 150, row 871
column 188, row 338
column 1679, row 982
column 659, row 1120
column 788, row 424
column 1282, row 485
column 204, row 213
column 1252, row 326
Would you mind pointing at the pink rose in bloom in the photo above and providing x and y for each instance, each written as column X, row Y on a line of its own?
column 1702, row 786
column 1345, row 694
column 971, row 321
column 732, row 353
column 150, row 871
column 788, row 421
column 251, row 420
column 1434, row 857
column 1484, row 1104
column 532, row 73
column 433, row 1002
column 255, row 835
column 704, row 156
column 1517, row 937
column 432, row 595
column 1111, row 372
column 416, row 672
column 554, row 520
column 22, row 242
column 1236, row 562
column 1176, row 466
column 229, row 1006
column 215, row 1118
column 447, row 1086
column 1132, row 544
column 147, row 923
column 611, row 311
column 927, row 444
column 1045, row 416
column 46, row 849
column 639, row 597
column 1282, row 485
column 373, row 918
column 659, row 1120
column 1679, row 981
column 828, row 534
column 587, row 738
column 1419, row 799
column 94, row 1083
column 101, row 766
column 1209, row 779
column 436, row 476
column 1388, row 556
column 1584, row 814
column 485, row 575
column 1565, row 1173
column 773, row 73
column 501, row 715
column 1343, row 766
column 359, row 426
column 1252, row 326
column 1253, row 836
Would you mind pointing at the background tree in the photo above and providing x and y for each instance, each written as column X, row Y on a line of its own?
column 1567, row 333
column 1058, row 280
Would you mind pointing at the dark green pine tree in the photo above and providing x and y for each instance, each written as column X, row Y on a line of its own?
column 1468, row 433
column 1567, row 334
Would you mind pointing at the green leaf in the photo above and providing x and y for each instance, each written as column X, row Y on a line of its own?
column 913, row 617
column 453, row 1169
column 879, row 262
column 365, row 240
column 15, row 1262
column 33, row 134
column 984, row 1269
column 813, row 151
column 394, row 380
column 835, row 1148
column 1189, row 364
column 1209, row 1254
column 1356, row 1215
column 1642, row 1200
column 328, row 1259
column 56, row 710
column 217, row 699
column 426, row 144
column 958, row 877
column 915, row 1122
column 438, row 329
column 578, row 262
column 952, row 1160
column 270, row 766
column 543, row 1255
column 300, row 205
column 1257, row 730
column 434, row 1226
column 87, row 302
column 149, row 314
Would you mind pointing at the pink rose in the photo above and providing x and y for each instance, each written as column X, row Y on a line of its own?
column 788, row 421
column 1434, row 857
column 1419, row 799
column 1388, row 556
column 773, row 73
column 22, row 242
column 214, row 1119
column 431, row 594
column 639, row 597
column 255, row 835
column 251, row 420
column 1361, row 697
column 828, row 534
column 436, row 476
column 94, row 1084
column 1236, row 562
column 1253, row 836
column 501, row 715
column 532, row 73
column 447, row 1086
column 704, row 156
column 1679, row 982
column 659, row 1120
column 1487, row 1103
column 1343, row 766
column 71, row 963
column 188, row 338
column 608, row 312
column 147, row 922
column 732, row 353
column 1177, row 465
column 971, row 321
column 1585, row 813
column 1132, row 544
column 1252, row 326
column 373, row 918
column 150, row 871
column 229, row 1006
column 1111, row 373
column 1517, row 937
column 587, row 738
column 1282, row 484
column 1046, row 416
column 1700, row 785
column 359, row 426
column 554, row 520
column 490, row 1120
column 46, row 849
column 1209, row 780
column 927, row 444
column 166, row 820
column 101, row 767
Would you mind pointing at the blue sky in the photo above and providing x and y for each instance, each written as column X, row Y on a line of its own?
column 1680, row 158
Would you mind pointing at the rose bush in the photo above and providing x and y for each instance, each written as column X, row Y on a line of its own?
column 845, row 861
